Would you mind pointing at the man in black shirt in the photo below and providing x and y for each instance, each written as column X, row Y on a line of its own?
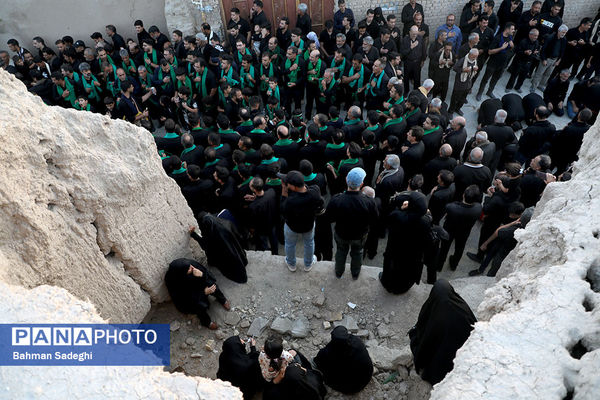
column 413, row 52
column 501, row 135
column 456, row 136
column 486, row 35
column 243, row 25
column 263, row 215
column 441, row 195
column 556, row 91
column 577, row 40
column 431, row 170
column 460, row 218
column 534, row 180
column 500, row 52
column 409, row 10
column 472, row 172
column 551, row 55
column 303, row 21
column 528, row 21
column 141, row 32
column 353, row 214
column 469, row 17
column 284, row 37
column 299, row 206
column 549, row 22
column 527, row 52
column 258, row 16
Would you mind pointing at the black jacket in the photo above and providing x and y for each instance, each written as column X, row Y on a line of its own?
column 457, row 140
column 353, row 213
column 460, row 218
column 535, row 139
column 471, row 174
column 299, row 209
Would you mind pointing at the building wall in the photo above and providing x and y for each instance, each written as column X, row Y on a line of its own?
column 436, row 10
column 52, row 19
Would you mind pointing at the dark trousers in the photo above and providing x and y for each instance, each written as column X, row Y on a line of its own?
column 487, row 229
column 264, row 240
column 496, row 254
column 480, row 63
column 412, row 72
column 293, row 95
column 518, row 74
column 492, row 75
column 312, row 95
column 440, row 89
column 355, row 246
column 460, row 242
column 203, row 311
column 458, row 99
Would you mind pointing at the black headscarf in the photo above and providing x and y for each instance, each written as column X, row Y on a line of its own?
column 222, row 247
column 299, row 383
column 240, row 368
column 345, row 362
column 187, row 290
column 444, row 324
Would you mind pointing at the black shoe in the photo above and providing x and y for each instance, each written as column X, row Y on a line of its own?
column 475, row 257
column 380, row 274
column 354, row 277
column 459, row 112
column 339, row 276
column 478, row 97
column 475, row 272
column 490, row 95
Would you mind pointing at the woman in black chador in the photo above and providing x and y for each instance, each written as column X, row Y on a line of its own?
column 444, row 324
column 189, row 284
column 345, row 362
column 240, row 368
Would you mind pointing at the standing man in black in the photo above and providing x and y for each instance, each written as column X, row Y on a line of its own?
column 528, row 51
column 353, row 214
column 303, row 21
column 409, row 11
column 500, row 52
column 258, row 16
column 460, row 218
column 413, row 53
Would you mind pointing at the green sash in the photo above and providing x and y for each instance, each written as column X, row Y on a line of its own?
column 293, row 75
column 201, row 86
column 126, row 67
column 147, row 60
column 360, row 80
column 264, row 85
column 229, row 77
column 95, row 92
column 377, row 84
column 187, row 83
column 71, row 98
column 314, row 71
column 185, row 151
column 160, row 77
column 340, row 67
column 243, row 77
column 393, row 122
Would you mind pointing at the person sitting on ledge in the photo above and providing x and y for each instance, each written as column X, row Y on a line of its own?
column 189, row 284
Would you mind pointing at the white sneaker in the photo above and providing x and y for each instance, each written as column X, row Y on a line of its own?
column 309, row 267
column 290, row 267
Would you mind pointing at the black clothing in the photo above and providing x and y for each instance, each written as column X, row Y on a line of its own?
column 456, row 139
column 143, row 35
column 412, row 159
column 284, row 38
column 530, row 103
column 471, row 174
column 239, row 368
column 512, row 103
column 299, row 209
column 505, row 15
column 460, row 218
column 432, row 142
column 535, row 139
column 442, row 196
column 408, row 230
column 444, row 324
column 193, row 155
column 345, row 362
column 547, row 24
column 187, row 290
column 487, row 111
column 566, row 144
column 222, row 247
column 199, row 195
column 532, row 187
column 314, row 152
column 304, row 23
column 408, row 13
column 169, row 145
column 556, row 91
column 353, row 130
column 387, row 187
column 433, row 168
column 501, row 135
column 353, row 213
column 300, row 382
column 553, row 48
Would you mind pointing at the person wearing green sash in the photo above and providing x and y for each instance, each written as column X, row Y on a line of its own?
column 240, row 51
column 338, row 64
column 396, row 98
column 111, row 79
column 169, row 55
column 204, row 80
column 277, row 55
column 376, row 86
column 297, row 41
column 91, row 86
column 396, row 125
column 127, row 63
column 227, row 73
column 63, row 92
column 248, row 74
column 182, row 80
column 164, row 79
column 353, row 82
column 293, row 78
column 150, row 55
column 83, row 104
column 314, row 72
column 337, row 174
column 265, row 71
column 273, row 90
column 327, row 92
column 70, row 75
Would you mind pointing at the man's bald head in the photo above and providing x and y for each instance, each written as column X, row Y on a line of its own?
column 369, row 191
column 476, row 155
column 446, row 150
column 315, row 53
column 283, row 132
column 460, row 121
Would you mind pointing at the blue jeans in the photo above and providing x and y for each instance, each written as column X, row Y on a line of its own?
column 572, row 114
column 291, row 238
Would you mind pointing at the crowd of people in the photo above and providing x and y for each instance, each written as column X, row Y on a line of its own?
column 277, row 134
column 383, row 154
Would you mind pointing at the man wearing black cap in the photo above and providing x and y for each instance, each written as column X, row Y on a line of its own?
column 353, row 213
column 299, row 206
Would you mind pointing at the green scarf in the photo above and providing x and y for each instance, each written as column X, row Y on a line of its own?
column 323, row 96
column 360, row 80
column 170, row 135
column 275, row 93
column 284, row 142
column 393, row 122
column 115, row 85
column 160, row 77
column 340, row 68
column 127, row 67
column 377, row 84
column 314, row 71
column 187, row 83
column 373, row 128
column 335, row 146
column 76, row 78
column 273, row 182
column 346, row 161
column 430, row 131
column 293, row 74
column 71, row 98
column 240, row 55
column 78, row 107
column 201, row 86
column 244, row 74
column 185, row 151
column 270, row 161
column 310, row 177
column 95, row 93
column 147, row 60
column 264, row 85
column 229, row 77
column 351, row 121
column 410, row 113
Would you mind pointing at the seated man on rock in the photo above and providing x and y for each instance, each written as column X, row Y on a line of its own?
column 189, row 284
